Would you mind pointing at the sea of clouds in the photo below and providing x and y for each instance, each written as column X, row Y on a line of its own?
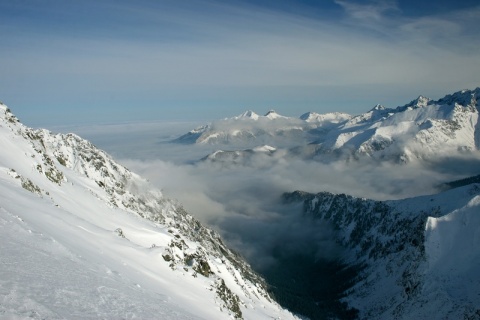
column 243, row 202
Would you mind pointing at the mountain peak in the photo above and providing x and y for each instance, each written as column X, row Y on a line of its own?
column 272, row 114
column 378, row 107
column 308, row 115
column 249, row 114
column 463, row 97
column 420, row 102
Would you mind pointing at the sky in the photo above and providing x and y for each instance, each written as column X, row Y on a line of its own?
column 80, row 62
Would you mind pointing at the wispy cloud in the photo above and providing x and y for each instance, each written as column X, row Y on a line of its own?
column 209, row 53
column 453, row 30
column 374, row 11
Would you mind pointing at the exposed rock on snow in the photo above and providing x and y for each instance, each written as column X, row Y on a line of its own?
column 419, row 256
column 84, row 237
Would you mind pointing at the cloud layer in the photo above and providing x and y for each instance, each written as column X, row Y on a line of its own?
column 243, row 202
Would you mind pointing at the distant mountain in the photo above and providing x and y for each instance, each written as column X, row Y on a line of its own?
column 251, row 130
column 416, row 258
column 83, row 237
column 421, row 129
column 258, row 156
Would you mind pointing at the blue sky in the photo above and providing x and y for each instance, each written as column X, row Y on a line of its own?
column 65, row 61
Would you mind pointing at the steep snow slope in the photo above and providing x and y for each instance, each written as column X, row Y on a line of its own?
column 418, row 258
column 83, row 237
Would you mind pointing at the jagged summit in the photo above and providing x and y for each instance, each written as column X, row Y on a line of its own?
column 249, row 114
column 463, row 97
column 420, row 102
column 379, row 107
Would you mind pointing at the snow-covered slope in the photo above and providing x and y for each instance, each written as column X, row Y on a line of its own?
column 83, row 237
column 418, row 258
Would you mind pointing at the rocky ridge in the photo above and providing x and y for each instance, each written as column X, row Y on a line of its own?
column 46, row 164
column 396, row 248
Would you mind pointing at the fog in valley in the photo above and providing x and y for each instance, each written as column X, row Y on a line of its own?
column 243, row 202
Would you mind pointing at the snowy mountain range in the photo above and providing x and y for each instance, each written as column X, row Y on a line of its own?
column 251, row 130
column 421, row 129
column 416, row 258
column 83, row 237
